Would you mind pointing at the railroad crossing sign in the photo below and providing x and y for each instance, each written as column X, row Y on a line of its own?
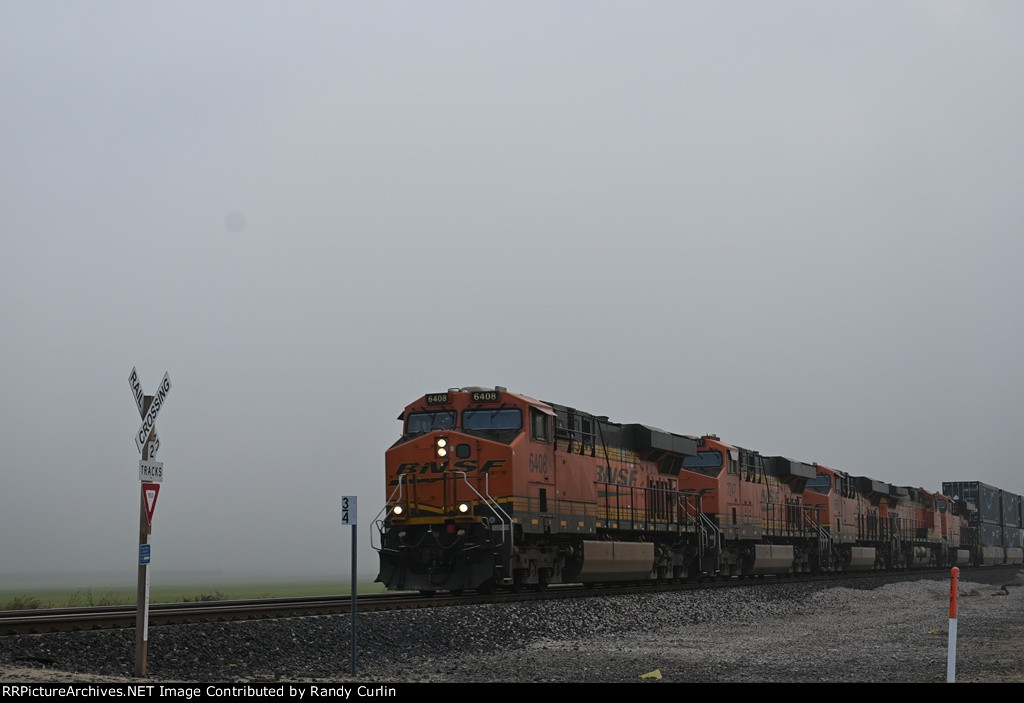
column 151, row 473
column 147, row 430
column 140, row 401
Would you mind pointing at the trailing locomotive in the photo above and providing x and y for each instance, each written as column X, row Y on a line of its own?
column 489, row 489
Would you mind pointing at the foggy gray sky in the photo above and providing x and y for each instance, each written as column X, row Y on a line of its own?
column 793, row 224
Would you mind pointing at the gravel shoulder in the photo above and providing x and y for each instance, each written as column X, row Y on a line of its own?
column 786, row 632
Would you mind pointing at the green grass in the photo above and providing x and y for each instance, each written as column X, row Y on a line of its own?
column 69, row 597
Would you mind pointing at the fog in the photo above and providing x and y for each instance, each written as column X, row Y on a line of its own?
column 796, row 225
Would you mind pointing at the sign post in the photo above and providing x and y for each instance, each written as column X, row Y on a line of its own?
column 151, row 473
column 954, row 588
column 348, row 517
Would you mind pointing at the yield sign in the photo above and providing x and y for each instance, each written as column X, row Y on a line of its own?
column 149, row 493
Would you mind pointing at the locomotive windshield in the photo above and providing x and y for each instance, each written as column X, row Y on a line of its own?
column 498, row 419
column 425, row 422
column 707, row 463
column 822, row 483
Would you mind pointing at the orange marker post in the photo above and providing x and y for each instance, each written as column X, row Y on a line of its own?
column 951, row 656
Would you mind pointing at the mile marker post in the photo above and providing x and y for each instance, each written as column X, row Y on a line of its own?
column 348, row 517
column 954, row 588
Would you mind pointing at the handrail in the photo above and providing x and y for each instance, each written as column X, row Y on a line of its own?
column 378, row 521
column 824, row 540
column 503, row 518
column 506, row 523
column 711, row 535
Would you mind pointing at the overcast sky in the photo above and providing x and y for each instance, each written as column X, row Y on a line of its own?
column 793, row 224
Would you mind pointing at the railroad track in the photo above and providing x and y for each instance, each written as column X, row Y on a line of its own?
column 36, row 621
column 14, row 622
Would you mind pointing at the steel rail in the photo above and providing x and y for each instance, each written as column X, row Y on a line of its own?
column 37, row 621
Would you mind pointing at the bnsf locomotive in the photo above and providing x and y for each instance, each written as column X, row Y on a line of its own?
column 489, row 489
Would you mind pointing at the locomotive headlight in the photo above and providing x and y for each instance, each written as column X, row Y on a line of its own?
column 441, row 446
column 399, row 510
column 463, row 508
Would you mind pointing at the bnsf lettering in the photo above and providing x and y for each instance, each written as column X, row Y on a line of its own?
column 539, row 464
column 415, row 467
column 432, row 467
column 617, row 476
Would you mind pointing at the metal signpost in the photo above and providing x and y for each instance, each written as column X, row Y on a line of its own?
column 151, row 473
column 348, row 517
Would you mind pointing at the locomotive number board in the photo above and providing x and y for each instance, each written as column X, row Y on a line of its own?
column 474, row 397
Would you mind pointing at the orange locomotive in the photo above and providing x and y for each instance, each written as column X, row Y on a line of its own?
column 489, row 489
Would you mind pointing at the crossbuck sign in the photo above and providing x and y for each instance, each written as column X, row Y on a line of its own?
column 149, row 419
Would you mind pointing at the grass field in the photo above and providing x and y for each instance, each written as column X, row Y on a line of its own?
column 71, row 597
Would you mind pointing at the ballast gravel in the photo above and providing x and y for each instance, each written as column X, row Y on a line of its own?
column 879, row 630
